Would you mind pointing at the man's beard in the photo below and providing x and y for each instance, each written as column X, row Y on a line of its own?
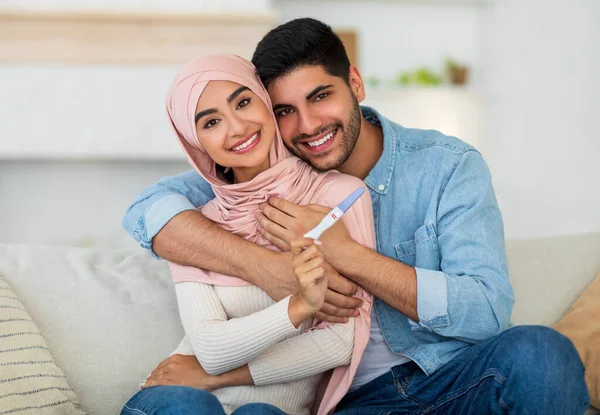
column 348, row 134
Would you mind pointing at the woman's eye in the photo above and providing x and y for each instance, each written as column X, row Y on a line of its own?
column 243, row 103
column 211, row 123
column 322, row 96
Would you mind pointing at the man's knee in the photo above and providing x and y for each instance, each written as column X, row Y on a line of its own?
column 542, row 352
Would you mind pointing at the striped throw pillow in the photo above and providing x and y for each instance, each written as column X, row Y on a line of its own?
column 30, row 382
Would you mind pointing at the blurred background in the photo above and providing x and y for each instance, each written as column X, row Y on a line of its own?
column 82, row 87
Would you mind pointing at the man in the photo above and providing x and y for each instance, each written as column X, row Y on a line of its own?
column 442, row 294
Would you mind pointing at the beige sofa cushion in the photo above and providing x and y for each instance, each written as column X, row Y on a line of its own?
column 30, row 382
column 109, row 317
column 549, row 274
column 581, row 324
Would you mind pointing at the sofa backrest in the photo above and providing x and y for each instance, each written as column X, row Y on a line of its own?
column 549, row 274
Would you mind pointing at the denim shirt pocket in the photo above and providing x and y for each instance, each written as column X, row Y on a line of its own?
column 406, row 251
column 421, row 252
column 427, row 252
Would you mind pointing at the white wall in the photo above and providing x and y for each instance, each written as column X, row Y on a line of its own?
column 400, row 35
column 535, row 62
column 542, row 142
column 73, row 203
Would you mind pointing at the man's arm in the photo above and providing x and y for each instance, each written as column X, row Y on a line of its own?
column 282, row 221
column 165, row 221
column 191, row 239
column 157, row 204
column 471, row 297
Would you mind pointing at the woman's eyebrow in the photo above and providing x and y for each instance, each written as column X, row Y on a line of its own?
column 236, row 93
column 203, row 113
column 229, row 99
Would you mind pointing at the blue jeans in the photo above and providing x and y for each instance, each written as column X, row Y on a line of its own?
column 523, row 370
column 182, row 400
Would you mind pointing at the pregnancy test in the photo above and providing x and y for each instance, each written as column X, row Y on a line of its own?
column 335, row 215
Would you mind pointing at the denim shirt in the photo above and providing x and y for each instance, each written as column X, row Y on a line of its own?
column 435, row 210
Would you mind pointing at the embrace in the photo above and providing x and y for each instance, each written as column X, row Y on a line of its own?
column 403, row 306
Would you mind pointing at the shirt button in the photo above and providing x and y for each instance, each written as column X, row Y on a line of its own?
column 381, row 187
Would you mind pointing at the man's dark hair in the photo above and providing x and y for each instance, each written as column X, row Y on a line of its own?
column 298, row 43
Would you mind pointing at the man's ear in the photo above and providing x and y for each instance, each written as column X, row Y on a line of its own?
column 356, row 83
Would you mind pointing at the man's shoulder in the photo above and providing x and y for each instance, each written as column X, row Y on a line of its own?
column 426, row 143
column 418, row 140
column 431, row 149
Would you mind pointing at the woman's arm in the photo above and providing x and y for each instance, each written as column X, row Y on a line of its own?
column 221, row 344
column 312, row 352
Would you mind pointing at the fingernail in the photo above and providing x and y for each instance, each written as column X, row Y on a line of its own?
column 317, row 242
column 356, row 313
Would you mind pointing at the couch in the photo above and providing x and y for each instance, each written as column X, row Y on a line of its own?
column 110, row 316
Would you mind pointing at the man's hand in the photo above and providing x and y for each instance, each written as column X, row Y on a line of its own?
column 340, row 302
column 282, row 221
column 183, row 370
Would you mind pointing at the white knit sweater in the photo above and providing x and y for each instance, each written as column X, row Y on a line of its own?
column 228, row 327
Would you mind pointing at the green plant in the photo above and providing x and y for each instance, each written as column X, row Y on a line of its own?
column 421, row 77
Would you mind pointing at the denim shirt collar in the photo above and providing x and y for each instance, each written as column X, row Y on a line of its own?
column 380, row 176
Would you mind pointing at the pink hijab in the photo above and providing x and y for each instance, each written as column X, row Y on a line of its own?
column 235, row 206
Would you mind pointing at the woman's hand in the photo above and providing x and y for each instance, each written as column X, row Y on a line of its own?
column 309, row 267
column 183, row 370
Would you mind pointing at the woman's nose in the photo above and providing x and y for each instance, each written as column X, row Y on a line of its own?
column 237, row 126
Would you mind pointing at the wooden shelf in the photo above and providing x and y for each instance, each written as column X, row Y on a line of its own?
column 90, row 37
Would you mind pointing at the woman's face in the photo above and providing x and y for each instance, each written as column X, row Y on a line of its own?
column 235, row 128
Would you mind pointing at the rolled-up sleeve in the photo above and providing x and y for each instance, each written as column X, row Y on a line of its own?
column 158, row 204
column 471, row 297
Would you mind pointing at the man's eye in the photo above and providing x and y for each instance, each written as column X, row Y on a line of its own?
column 211, row 123
column 322, row 96
column 243, row 103
column 284, row 112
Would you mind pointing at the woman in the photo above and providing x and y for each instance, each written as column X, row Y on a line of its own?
column 223, row 119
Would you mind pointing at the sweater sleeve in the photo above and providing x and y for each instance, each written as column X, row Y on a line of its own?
column 223, row 344
column 312, row 352
column 184, row 348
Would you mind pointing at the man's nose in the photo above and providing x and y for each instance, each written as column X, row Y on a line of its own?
column 309, row 123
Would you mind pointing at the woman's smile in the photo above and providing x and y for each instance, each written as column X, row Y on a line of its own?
column 247, row 144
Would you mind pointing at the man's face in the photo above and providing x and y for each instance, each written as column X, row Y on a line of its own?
column 318, row 114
